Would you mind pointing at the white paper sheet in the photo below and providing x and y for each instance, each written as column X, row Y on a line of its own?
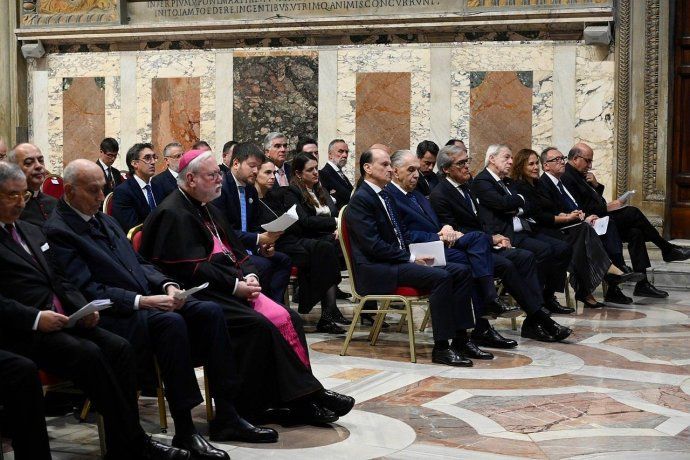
column 96, row 305
column 626, row 196
column 182, row 295
column 601, row 225
column 283, row 222
column 431, row 249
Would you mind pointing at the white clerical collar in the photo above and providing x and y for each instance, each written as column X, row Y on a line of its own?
column 404, row 192
column 140, row 181
column 174, row 173
column 375, row 187
column 494, row 175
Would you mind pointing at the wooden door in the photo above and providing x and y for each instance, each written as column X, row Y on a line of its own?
column 680, row 169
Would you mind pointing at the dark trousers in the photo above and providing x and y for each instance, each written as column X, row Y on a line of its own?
column 517, row 269
column 101, row 364
column 613, row 244
column 635, row 229
column 552, row 256
column 22, row 397
column 450, row 287
column 474, row 250
column 274, row 274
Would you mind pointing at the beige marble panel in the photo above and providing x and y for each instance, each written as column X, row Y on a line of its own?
column 542, row 109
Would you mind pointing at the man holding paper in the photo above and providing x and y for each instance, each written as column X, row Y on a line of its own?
column 633, row 225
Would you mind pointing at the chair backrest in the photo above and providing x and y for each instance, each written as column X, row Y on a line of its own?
column 108, row 204
column 54, row 186
column 134, row 235
column 345, row 245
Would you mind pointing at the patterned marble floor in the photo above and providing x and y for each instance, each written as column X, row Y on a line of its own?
column 618, row 388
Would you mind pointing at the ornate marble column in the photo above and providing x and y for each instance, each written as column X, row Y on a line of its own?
column 6, row 42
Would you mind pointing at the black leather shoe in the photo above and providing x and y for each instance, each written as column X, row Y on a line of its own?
column 588, row 304
column 367, row 319
column 154, row 450
column 335, row 402
column 329, row 327
column 449, row 357
column 647, row 289
column 492, row 339
column 535, row 331
column 499, row 308
column 199, row 448
column 555, row 307
column 615, row 295
column 338, row 317
column 342, row 295
column 242, row 431
column 628, row 277
column 676, row 253
column 310, row 413
column 557, row 331
column 471, row 350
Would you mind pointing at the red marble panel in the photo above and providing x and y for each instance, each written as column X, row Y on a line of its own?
column 382, row 112
column 500, row 112
column 176, row 108
column 83, row 117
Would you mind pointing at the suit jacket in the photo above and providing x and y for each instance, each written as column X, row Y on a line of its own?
column 130, row 207
column 309, row 225
column 590, row 199
column 337, row 187
column 496, row 207
column 423, row 225
column 224, row 169
column 29, row 282
column 427, row 183
column 288, row 174
column 117, row 179
column 452, row 209
column 38, row 209
column 551, row 199
column 375, row 249
column 165, row 182
column 229, row 204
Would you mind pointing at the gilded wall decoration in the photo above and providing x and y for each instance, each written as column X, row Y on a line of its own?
column 64, row 12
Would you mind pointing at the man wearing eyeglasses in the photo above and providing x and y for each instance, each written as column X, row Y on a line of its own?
column 136, row 197
column 39, row 206
column 166, row 181
column 106, row 158
column 633, row 225
column 275, row 147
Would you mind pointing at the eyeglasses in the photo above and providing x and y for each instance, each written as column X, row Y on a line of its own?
column 587, row 160
column 110, row 154
column 461, row 163
column 214, row 175
column 560, row 159
column 25, row 196
column 174, row 157
column 277, row 146
column 148, row 159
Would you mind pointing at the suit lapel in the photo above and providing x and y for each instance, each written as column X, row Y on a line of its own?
column 36, row 250
column 15, row 247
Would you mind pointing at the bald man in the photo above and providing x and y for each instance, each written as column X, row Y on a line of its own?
column 30, row 159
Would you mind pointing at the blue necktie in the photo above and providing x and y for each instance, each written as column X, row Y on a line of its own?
column 570, row 205
column 466, row 195
column 415, row 202
column 394, row 218
column 243, row 207
column 149, row 197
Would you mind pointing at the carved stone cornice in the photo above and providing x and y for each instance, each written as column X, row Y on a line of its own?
column 623, row 96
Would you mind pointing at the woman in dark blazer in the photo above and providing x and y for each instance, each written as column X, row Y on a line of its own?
column 310, row 242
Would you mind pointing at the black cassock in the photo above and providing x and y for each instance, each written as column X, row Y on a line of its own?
column 177, row 237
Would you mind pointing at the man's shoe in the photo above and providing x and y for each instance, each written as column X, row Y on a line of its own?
column 535, row 331
column 555, row 307
column 615, row 295
column 628, row 277
column 500, row 308
column 329, row 327
column 492, row 339
column 647, row 289
column 367, row 319
column 199, row 448
column 471, row 350
column 449, row 357
column 310, row 413
column 558, row 332
column 342, row 295
column 676, row 253
column 337, row 403
column 154, row 450
column 242, row 431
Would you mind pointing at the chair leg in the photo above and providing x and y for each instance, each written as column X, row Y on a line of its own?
column 351, row 330
column 513, row 323
column 378, row 323
column 85, row 410
column 101, row 434
column 403, row 319
column 568, row 294
column 160, row 392
column 209, row 400
column 425, row 321
column 410, row 331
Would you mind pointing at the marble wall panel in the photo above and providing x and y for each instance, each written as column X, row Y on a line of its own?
column 276, row 93
column 500, row 112
column 83, row 114
column 412, row 59
column 175, row 108
column 382, row 113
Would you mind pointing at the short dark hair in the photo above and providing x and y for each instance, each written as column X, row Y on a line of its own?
column 133, row 154
column 304, row 141
column 366, row 157
column 227, row 146
column 453, row 141
column 426, row 146
column 544, row 153
column 109, row 145
column 244, row 150
column 198, row 144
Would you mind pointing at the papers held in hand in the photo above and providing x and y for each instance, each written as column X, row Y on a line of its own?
column 282, row 222
column 182, row 295
column 431, row 249
column 91, row 307
column 626, row 196
column 601, row 225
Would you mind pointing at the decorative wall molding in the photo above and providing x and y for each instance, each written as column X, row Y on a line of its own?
column 623, row 96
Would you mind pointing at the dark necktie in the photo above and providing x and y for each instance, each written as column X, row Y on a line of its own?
column 415, row 203
column 149, row 197
column 342, row 175
column 109, row 176
column 394, row 218
column 570, row 205
column 466, row 195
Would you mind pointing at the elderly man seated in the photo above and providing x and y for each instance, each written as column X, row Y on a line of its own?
column 39, row 206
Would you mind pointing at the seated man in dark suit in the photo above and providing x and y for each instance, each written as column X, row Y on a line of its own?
column 427, row 152
column 633, row 225
column 456, row 206
column 275, row 148
column 225, row 164
column 39, row 206
column 332, row 177
column 97, row 257
column 106, row 157
column 34, row 302
column 134, row 199
column 382, row 260
column 239, row 202
column 501, row 208
column 473, row 248
column 166, row 181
